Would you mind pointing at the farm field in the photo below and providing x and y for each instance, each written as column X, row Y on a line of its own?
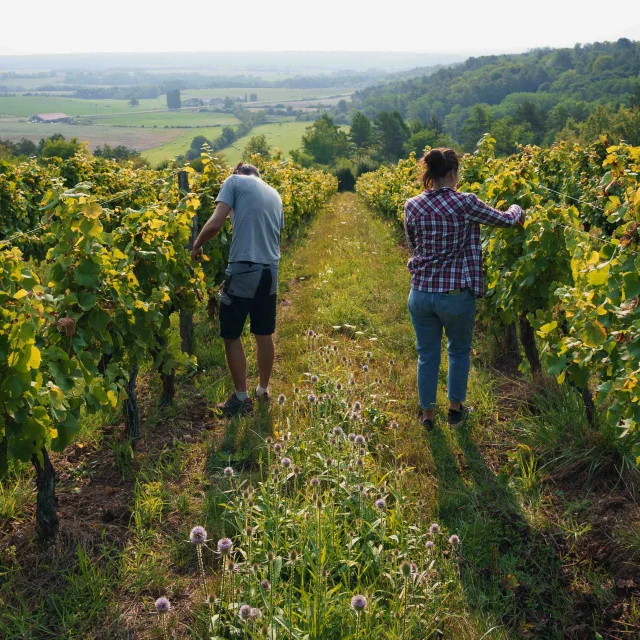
column 137, row 117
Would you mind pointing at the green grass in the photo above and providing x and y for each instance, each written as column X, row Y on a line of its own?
column 183, row 118
column 530, row 562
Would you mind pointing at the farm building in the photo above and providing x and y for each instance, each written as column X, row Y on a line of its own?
column 50, row 117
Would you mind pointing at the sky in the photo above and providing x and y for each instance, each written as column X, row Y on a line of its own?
column 454, row 26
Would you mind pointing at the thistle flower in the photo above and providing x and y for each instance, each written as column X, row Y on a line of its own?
column 228, row 472
column 381, row 503
column 282, row 399
column 286, row 462
column 198, row 535
column 297, row 470
column 312, row 398
column 296, row 390
column 360, row 440
column 405, row 567
column 271, row 556
column 359, row 603
column 163, row 605
column 352, row 437
column 293, row 555
column 365, row 368
column 255, row 614
column 429, row 545
column 352, row 382
column 269, row 440
column 225, row 546
column 454, row 540
column 338, row 431
column 249, row 531
column 339, row 386
column 357, row 406
column 392, row 363
column 329, row 462
column 311, row 333
column 277, row 447
column 369, row 355
column 360, row 462
column 344, row 359
column 434, row 528
column 314, row 482
column 265, row 584
column 394, row 425
column 314, row 379
column 244, row 612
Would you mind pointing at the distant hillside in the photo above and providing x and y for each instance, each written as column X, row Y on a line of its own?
column 541, row 91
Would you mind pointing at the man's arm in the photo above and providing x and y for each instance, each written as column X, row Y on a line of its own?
column 211, row 229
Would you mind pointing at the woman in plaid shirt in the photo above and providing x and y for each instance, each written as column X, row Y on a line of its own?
column 443, row 233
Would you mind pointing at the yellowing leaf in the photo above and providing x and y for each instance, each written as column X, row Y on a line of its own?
column 34, row 358
column 599, row 276
column 593, row 334
column 92, row 210
column 20, row 294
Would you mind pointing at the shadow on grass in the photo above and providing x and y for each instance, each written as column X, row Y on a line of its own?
column 511, row 575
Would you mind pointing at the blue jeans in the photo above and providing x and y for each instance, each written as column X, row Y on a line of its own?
column 430, row 313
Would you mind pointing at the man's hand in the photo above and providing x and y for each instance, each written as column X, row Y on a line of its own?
column 196, row 254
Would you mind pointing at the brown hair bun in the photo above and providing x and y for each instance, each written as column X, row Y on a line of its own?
column 439, row 163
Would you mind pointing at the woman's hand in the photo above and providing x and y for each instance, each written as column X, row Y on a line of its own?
column 522, row 218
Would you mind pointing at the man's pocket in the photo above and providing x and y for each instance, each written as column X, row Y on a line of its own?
column 242, row 280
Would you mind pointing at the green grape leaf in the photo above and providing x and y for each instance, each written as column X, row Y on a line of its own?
column 593, row 334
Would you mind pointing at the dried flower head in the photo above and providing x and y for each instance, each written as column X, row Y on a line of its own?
column 454, row 540
column 352, row 437
column 405, row 567
column 357, row 406
column 297, row 470
column 282, row 398
column 277, row 447
column 163, row 605
column 198, row 535
column 66, row 326
column 365, row 368
column 394, row 425
column 249, row 531
column 312, row 398
column 329, row 462
column 265, row 584
column 293, row 555
column 359, row 603
column 286, row 462
column 228, row 472
column 225, row 546
column 271, row 556
column 429, row 545
column 360, row 462
column 338, row 431
column 255, row 614
column 434, row 528
column 369, row 355
column 245, row 611
column 360, row 440
column 314, row 378
column 339, row 386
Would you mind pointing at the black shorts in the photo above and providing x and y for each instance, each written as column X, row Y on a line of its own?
column 261, row 310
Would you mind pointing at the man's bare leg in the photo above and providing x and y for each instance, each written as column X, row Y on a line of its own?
column 237, row 362
column 266, row 356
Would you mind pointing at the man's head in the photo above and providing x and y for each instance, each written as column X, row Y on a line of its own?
column 244, row 169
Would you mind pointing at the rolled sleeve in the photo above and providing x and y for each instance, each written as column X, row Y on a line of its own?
column 482, row 213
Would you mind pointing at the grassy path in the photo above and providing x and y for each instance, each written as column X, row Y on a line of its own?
column 537, row 557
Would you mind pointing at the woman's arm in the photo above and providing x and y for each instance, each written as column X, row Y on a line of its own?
column 408, row 228
column 480, row 212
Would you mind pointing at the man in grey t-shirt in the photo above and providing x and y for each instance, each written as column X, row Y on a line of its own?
column 251, row 281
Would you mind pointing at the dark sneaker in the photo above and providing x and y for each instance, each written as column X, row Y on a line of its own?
column 458, row 416
column 264, row 398
column 427, row 423
column 234, row 406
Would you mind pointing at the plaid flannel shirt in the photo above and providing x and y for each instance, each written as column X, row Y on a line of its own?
column 443, row 234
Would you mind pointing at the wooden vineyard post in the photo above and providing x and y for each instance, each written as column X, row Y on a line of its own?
column 186, row 319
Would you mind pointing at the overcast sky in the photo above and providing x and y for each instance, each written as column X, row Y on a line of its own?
column 454, row 26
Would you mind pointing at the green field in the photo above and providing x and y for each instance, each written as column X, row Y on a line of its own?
column 281, row 135
column 177, row 145
column 140, row 118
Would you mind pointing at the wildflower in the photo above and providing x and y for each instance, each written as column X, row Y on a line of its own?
column 271, row 556
column 352, row 382
column 265, row 584
column 394, row 425
column 405, row 567
column 339, row 386
column 163, row 605
column 363, row 451
column 365, row 368
column 360, row 440
column 269, row 440
column 314, row 482
column 286, row 462
column 282, row 398
column 293, row 555
column 429, row 545
column 277, row 447
column 338, row 431
column 245, row 611
column 369, row 355
column 66, row 326
column 314, row 379
column 352, row 437
column 392, row 363
column 249, row 531
column 344, row 359
column 198, row 535
column 311, row 333
column 357, row 406
column 297, row 470
column 381, row 503
column 350, row 468
column 225, row 546
column 296, row 390
column 312, row 398
column 434, row 528
column 329, row 462
column 360, row 462
column 255, row 614
column 359, row 603
column 228, row 472
column 454, row 540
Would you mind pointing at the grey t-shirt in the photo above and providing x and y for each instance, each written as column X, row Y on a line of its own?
column 257, row 218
